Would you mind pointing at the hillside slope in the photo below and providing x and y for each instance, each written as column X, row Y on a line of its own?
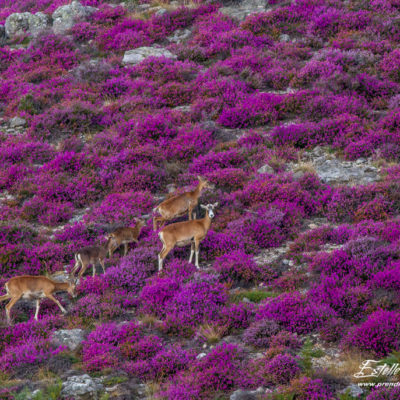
column 291, row 110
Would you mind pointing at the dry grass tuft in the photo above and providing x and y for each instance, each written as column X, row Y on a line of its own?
column 348, row 365
column 306, row 167
column 212, row 333
column 152, row 388
column 148, row 320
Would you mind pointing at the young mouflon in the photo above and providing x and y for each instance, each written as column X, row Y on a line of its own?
column 178, row 205
column 187, row 232
column 125, row 236
column 35, row 288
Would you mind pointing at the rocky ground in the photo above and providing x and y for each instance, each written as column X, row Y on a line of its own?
column 329, row 166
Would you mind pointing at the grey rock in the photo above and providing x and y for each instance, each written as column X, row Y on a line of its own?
column 270, row 256
column 247, row 394
column 136, row 56
column 61, row 276
column 353, row 389
column 230, row 339
column 171, row 187
column 69, row 337
column 266, row 169
column 336, row 171
column 182, row 108
column 179, row 35
column 160, row 12
column 201, row 355
column 245, row 8
column 284, row 37
column 17, row 122
column 298, row 175
column 81, row 387
column 20, row 23
column 332, row 170
column 65, row 17
column 318, row 151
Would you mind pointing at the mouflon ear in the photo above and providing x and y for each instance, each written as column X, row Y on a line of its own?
column 203, row 206
column 215, row 204
column 200, row 178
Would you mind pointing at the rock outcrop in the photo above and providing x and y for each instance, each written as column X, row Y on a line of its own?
column 242, row 10
column 72, row 338
column 65, row 17
column 136, row 56
column 21, row 23
column 81, row 387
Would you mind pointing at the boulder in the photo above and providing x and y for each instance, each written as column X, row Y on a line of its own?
column 266, row 169
column 335, row 171
column 161, row 12
column 179, row 35
column 284, row 37
column 17, row 122
column 65, row 17
column 20, row 23
column 245, row 8
column 353, row 390
column 81, row 387
column 136, row 56
column 72, row 338
column 247, row 394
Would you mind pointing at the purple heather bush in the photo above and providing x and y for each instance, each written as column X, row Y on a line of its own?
column 238, row 266
column 236, row 316
column 219, row 371
column 131, row 272
column 384, row 393
column 156, row 294
column 256, row 110
column 163, row 364
column 349, row 302
column 295, row 313
column 377, row 335
column 121, row 208
column 28, row 343
column 126, row 345
column 281, row 369
column 102, row 346
column 259, row 333
column 196, row 302
column 102, row 141
column 285, row 339
column 306, row 388
column 30, row 352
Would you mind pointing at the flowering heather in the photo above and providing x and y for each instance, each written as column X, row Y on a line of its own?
column 90, row 142
column 220, row 370
column 259, row 333
column 384, row 394
column 196, row 302
column 378, row 334
column 305, row 388
column 238, row 266
column 281, row 369
column 293, row 313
